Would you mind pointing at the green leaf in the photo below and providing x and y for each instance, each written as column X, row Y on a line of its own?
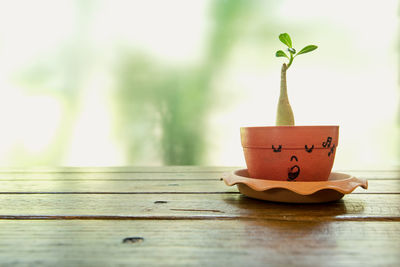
column 285, row 38
column 280, row 53
column 307, row 49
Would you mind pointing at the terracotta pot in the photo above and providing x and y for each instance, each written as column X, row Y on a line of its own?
column 290, row 153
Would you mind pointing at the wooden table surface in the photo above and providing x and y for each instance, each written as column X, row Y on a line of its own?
column 187, row 216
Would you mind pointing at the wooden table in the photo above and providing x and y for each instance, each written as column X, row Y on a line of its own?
column 186, row 216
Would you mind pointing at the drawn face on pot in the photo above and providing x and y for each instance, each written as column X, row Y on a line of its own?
column 294, row 170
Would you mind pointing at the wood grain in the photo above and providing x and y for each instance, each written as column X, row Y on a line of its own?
column 199, row 243
column 215, row 185
column 154, row 173
column 193, row 206
column 153, row 186
column 104, row 176
column 122, row 169
column 186, row 216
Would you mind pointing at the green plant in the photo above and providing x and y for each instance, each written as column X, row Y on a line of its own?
column 284, row 114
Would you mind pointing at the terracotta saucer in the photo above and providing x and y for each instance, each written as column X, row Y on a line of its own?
column 333, row 189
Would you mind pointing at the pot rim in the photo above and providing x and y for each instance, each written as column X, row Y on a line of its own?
column 289, row 126
column 289, row 136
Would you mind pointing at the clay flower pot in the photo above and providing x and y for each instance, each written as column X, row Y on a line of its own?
column 290, row 153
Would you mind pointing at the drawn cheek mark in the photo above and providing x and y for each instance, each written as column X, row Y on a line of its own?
column 309, row 150
column 279, row 149
column 332, row 150
column 328, row 142
column 293, row 157
column 293, row 172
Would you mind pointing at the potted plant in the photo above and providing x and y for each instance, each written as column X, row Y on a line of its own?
column 285, row 151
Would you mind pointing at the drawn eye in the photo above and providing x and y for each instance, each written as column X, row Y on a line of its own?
column 309, row 150
column 279, row 149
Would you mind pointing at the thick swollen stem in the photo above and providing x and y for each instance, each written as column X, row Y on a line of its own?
column 284, row 114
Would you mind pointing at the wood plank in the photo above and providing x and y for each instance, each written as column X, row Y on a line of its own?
column 194, row 206
column 199, row 243
column 373, row 174
column 123, row 169
column 158, row 173
column 153, row 186
column 117, row 186
column 104, row 176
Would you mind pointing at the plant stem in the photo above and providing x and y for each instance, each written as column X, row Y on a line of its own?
column 290, row 61
column 284, row 114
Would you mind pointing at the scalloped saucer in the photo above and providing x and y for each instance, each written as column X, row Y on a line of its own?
column 337, row 185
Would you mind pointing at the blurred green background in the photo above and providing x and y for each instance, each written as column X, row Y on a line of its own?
column 106, row 83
